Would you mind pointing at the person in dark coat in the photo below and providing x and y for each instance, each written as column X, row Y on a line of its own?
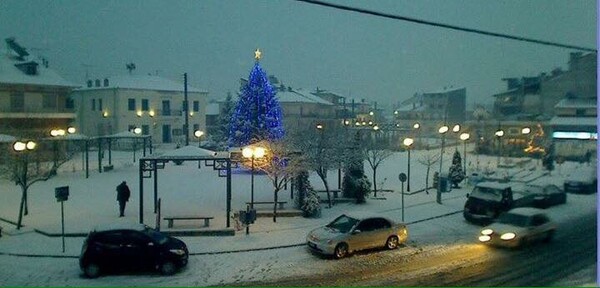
column 123, row 194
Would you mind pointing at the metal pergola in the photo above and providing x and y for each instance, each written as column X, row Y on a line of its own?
column 146, row 139
column 219, row 161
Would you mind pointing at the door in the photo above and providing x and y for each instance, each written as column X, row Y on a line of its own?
column 136, row 251
column 166, row 134
column 365, row 238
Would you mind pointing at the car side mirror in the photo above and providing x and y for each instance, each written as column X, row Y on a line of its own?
column 357, row 231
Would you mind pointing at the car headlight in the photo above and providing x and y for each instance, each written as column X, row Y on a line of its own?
column 485, row 238
column 178, row 252
column 487, row 231
column 508, row 236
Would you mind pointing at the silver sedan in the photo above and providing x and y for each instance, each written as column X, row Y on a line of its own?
column 347, row 234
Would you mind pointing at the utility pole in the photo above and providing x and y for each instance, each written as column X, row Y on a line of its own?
column 185, row 110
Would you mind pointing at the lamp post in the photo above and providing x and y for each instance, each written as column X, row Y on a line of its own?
column 408, row 142
column 198, row 134
column 464, row 137
column 442, row 132
column 499, row 133
column 456, row 129
column 136, row 131
column 56, row 133
column 416, row 128
column 23, row 147
column 252, row 153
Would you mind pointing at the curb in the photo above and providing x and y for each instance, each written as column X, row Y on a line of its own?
column 220, row 252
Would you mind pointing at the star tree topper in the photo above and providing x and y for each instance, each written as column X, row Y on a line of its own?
column 257, row 54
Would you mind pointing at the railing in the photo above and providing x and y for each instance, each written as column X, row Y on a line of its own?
column 36, row 110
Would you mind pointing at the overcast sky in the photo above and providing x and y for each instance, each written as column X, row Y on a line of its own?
column 305, row 46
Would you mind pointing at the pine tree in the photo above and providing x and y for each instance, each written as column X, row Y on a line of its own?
column 456, row 172
column 257, row 115
column 226, row 112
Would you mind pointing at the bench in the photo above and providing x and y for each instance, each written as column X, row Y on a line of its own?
column 170, row 219
column 279, row 203
column 108, row 167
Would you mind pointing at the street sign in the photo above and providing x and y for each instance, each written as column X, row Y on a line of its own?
column 402, row 177
column 61, row 193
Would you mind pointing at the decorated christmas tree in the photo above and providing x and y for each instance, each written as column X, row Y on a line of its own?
column 257, row 115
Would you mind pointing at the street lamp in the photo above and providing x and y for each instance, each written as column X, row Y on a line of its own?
column 464, row 137
column 408, row 142
column 525, row 130
column 499, row 133
column 198, row 134
column 252, row 153
column 21, row 146
column 71, row 130
column 442, row 132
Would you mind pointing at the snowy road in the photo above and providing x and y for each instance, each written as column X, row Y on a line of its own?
column 463, row 264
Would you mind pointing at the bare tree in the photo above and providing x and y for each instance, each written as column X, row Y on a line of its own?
column 320, row 151
column 375, row 153
column 25, row 169
column 428, row 159
column 279, row 164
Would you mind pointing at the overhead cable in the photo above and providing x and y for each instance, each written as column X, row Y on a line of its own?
column 447, row 26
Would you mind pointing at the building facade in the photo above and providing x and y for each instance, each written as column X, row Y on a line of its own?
column 33, row 98
column 154, row 104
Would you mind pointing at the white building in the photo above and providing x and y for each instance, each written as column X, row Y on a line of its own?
column 154, row 104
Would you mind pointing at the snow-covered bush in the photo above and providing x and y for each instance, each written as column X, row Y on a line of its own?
column 456, row 172
column 356, row 185
column 312, row 205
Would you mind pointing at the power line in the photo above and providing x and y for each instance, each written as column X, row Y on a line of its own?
column 447, row 26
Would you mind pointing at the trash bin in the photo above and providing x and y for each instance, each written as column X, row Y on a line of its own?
column 444, row 184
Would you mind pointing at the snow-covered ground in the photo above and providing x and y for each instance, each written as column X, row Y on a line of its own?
column 186, row 189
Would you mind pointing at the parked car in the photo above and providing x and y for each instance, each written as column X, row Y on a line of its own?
column 582, row 181
column 488, row 199
column 350, row 233
column 518, row 227
column 127, row 247
column 546, row 195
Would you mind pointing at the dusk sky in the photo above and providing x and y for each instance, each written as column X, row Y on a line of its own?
column 304, row 45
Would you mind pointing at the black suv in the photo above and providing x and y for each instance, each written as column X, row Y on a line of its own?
column 131, row 247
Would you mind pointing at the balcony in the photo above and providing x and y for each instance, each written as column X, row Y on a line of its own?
column 37, row 113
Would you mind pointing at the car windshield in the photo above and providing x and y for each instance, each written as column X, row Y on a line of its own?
column 514, row 219
column 343, row 224
column 156, row 236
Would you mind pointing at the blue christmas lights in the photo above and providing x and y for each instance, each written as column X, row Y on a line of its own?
column 257, row 115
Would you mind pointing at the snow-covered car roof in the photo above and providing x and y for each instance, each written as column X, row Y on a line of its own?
column 493, row 185
column 365, row 215
column 119, row 226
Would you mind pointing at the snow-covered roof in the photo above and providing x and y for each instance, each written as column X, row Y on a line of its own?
column 573, row 121
column 577, row 103
column 299, row 96
column 189, row 151
column 444, row 90
column 142, row 82
column 10, row 74
column 124, row 134
column 7, row 138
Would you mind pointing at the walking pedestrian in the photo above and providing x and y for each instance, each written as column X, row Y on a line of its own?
column 123, row 194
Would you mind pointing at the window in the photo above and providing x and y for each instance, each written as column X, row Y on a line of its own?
column 131, row 104
column 130, row 128
column 93, row 104
column 145, row 106
column 69, row 104
column 17, row 102
column 49, row 101
column 166, row 108
column 579, row 112
column 196, row 127
column 145, row 129
column 100, row 105
column 196, row 106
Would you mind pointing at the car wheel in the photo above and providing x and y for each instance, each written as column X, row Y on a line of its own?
column 168, row 268
column 392, row 242
column 341, row 251
column 549, row 236
column 91, row 270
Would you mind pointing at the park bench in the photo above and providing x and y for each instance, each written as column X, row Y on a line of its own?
column 279, row 203
column 170, row 219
